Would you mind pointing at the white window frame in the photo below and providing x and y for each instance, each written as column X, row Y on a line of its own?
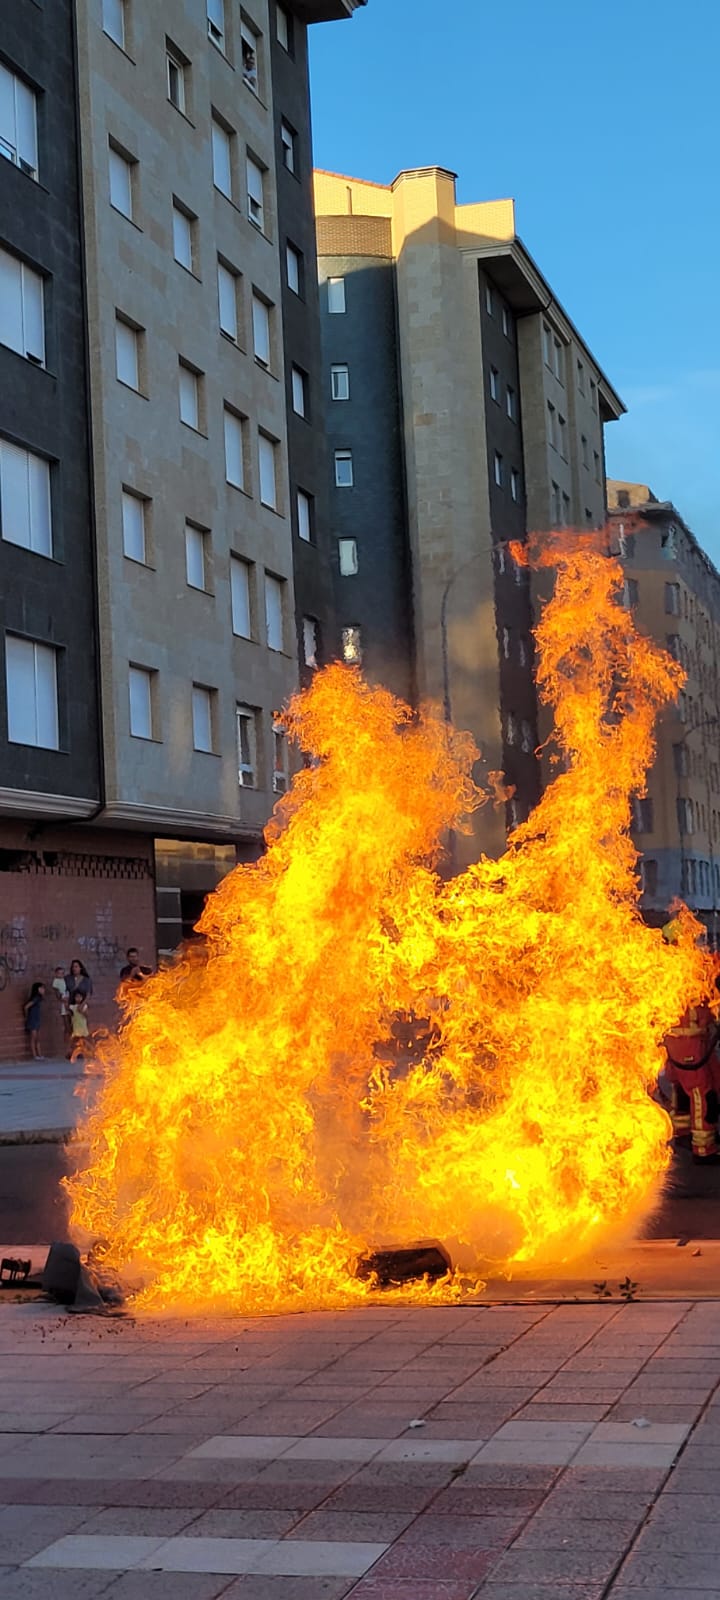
column 489, row 300
column 201, row 703
column 311, row 641
column 134, row 526
column 511, row 402
column 515, row 485
column 246, row 736
column 113, row 21
column 336, row 299
column 31, row 676
column 127, row 354
column 558, row 358
column 25, row 499
column 267, row 464
column 249, row 48
column 241, row 597
column 120, row 184
column 262, row 330
column 498, row 469
column 174, row 63
column 228, row 282
column 506, row 324
column 216, row 23
column 282, row 26
column 182, row 226
column 196, row 557
column 340, row 381
column 140, row 699
column 18, row 123
column 22, row 309
column 304, row 507
column 299, row 388
column 495, row 384
column 293, row 259
column 189, row 396
column 281, row 759
column 255, row 184
column 221, row 141
column 344, row 458
column 547, row 345
column 288, row 141
column 234, row 440
column 274, row 613
column 348, row 557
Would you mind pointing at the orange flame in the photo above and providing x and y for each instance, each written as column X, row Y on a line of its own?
column 254, row 1132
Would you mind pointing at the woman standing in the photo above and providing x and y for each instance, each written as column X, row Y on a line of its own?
column 79, row 987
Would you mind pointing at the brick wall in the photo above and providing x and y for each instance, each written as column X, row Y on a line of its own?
column 59, row 904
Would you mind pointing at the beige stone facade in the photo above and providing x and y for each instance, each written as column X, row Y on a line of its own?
column 151, row 617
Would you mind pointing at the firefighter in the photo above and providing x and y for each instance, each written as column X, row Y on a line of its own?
column 693, row 1072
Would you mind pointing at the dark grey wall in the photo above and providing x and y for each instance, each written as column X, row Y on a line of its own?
column 301, row 333
column 378, row 599
column 513, row 611
column 51, row 601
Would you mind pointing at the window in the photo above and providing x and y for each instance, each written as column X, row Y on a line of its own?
column 299, row 384
column 304, row 516
column 511, row 403
column 547, row 346
column 288, row 141
column 489, row 303
column 668, row 542
column 121, row 181
column 649, row 877
column 523, row 651
column 589, row 518
column 581, row 377
column 506, row 323
column 222, row 158
column 506, row 643
column 685, row 815
column 562, row 438
column 216, row 23
column 280, row 756
column 196, row 556
column 631, row 593
column 558, row 360
column 249, row 50
column 672, row 600
column 267, row 450
column 256, row 194
column 336, row 295
column 182, row 236
column 113, row 20
column 274, row 612
column 498, row 468
column 673, row 645
column 352, row 647
column 228, row 286
column 127, row 356
column 343, row 469
column 340, row 383
column 555, row 504
column 282, row 26
column 565, row 510
column 32, row 702
column 596, row 464
column 584, row 450
column 553, row 425
column 25, row 511
column 494, row 384
column 22, row 309
column 515, row 487
column 177, row 69
column 526, row 738
column 642, row 814
column 261, row 329
column 133, row 526
column 141, row 708
column 240, row 597
column 246, row 723
column 234, row 430
column 202, row 718
column 310, row 641
column 348, row 557
column 681, row 761
column 18, row 123
column 511, row 728
column 593, row 394
column 189, row 394
column 293, row 261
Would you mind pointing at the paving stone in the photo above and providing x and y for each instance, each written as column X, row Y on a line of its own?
column 460, row 1532
column 239, row 1524
column 146, row 1521
column 20, row 1583
column 548, row 1531
column 95, row 1550
column 379, row 1527
column 664, row 1570
column 556, row 1566
column 373, row 1588
column 262, row 1588
column 540, row 1590
column 167, row 1586
column 434, row 1561
column 361, row 1496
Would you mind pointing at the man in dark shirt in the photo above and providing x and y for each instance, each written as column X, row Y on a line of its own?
column 133, row 971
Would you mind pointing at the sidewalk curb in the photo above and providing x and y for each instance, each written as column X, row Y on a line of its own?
column 40, row 1136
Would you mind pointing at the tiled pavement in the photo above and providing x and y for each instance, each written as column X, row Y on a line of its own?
column 573, row 1449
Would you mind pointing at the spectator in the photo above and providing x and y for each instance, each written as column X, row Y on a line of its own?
column 33, row 1014
column 133, row 972
column 60, row 987
column 79, row 978
column 79, row 1030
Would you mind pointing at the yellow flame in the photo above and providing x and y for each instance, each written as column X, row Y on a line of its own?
column 254, row 1130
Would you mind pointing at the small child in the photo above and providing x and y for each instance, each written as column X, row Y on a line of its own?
column 79, row 1030
column 33, row 1013
column 61, row 991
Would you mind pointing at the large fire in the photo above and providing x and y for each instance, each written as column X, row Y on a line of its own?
column 254, row 1132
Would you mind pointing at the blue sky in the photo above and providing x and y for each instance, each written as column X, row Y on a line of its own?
column 601, row 121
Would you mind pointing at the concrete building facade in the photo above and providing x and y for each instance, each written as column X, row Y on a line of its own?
column 492, row 413
column 674, row 590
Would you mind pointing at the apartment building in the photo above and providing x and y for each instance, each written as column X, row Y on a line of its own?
column 163, row 523
column 674, row 591
column 463, row 408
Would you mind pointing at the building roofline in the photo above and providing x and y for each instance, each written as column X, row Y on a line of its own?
column 653, row 510
column 310, row 11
